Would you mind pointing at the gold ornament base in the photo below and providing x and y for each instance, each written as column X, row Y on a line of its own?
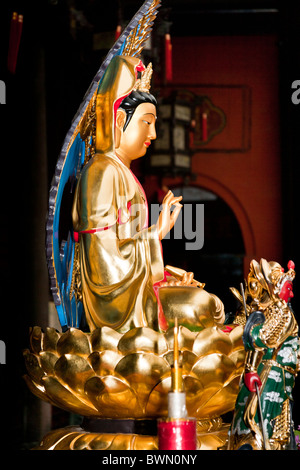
column 211, row 435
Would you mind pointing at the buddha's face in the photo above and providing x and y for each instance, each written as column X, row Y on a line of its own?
column 135, row 140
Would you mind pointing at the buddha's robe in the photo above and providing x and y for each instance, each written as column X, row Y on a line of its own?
column 121, row 257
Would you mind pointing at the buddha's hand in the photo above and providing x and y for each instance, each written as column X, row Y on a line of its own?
column 187, row 280
column 167, row 219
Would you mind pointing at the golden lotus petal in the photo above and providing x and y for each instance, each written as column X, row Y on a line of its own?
column 142, row 340
column 94, row 387
column 143, row 371
column 73, row 371
column 37, row 389
column 186, row 360
column 169, row 357
column 193, row 389
column 36, row 335
column 105, row 338
column 104, row 362
column 50, row 339
column 197, row 398
column 33, row 366
column 186, row 338
column 212, row 340
column 236, row 338
column 48, row 361
column 144, row 367
column 157, row 405
column 213, row 369
column 112, row 397
column 215, row 403
column 73, row 342
column 65, row 399
column 238, row 357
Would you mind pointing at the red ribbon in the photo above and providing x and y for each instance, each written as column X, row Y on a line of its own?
column 118, row 32
column 168, row 58
column 204, row 127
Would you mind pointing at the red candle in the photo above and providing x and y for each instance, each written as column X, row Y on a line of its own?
column 177, row 434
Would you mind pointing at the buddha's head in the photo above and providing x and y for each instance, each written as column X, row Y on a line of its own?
column 135, row 125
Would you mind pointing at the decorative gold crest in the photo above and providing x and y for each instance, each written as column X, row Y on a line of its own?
column 143, row 83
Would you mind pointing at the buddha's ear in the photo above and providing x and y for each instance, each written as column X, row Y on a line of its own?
column 120, row 119
column 120, row 122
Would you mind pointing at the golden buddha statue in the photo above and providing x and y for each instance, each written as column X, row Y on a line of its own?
column 124, row 283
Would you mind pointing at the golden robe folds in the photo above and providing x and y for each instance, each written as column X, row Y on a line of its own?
column 122, row 258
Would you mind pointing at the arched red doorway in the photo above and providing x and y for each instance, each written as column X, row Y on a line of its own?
column 220, row 261
column 240, row 214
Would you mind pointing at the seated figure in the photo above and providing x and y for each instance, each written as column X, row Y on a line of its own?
column 123, row 279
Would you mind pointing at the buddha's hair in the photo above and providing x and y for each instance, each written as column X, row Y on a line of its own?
column 132, row 101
